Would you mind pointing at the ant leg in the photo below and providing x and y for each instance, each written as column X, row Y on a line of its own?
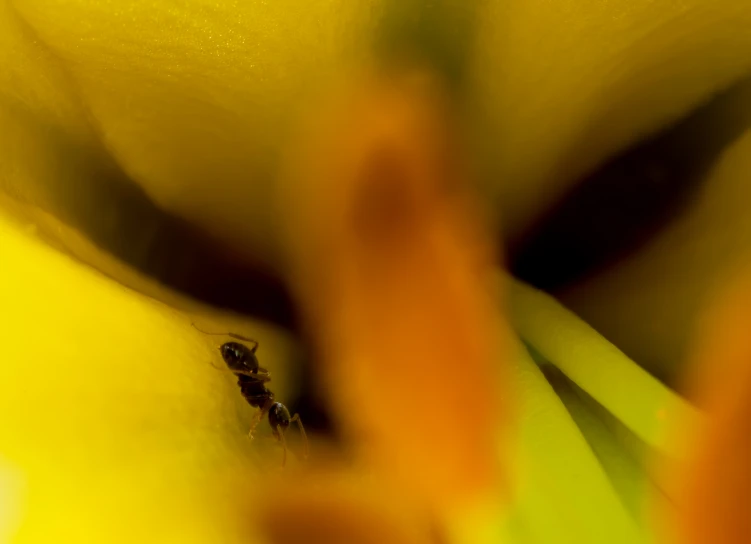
column 306, row 445
column 254, row 423
column 262, row 376
column 280, row 434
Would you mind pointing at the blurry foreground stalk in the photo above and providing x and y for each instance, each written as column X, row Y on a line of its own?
column 392, row 269
column 714, row 484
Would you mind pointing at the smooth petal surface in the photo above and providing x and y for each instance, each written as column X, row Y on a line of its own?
column 115, row 425
column 34, row 81
column 195, row 99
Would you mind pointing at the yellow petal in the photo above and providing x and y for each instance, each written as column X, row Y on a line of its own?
column 195, row 99
column 33, row 81
column 115, row 426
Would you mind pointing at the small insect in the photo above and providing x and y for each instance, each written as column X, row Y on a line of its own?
column 252, row 379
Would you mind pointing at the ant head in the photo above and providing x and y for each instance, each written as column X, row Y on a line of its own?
column 239, row 356
column 279, row 416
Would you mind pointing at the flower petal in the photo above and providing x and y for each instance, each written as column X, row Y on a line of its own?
column 115, row 424
column 194, row 99
column 34, row 83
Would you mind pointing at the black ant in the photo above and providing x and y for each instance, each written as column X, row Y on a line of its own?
column 252, row 379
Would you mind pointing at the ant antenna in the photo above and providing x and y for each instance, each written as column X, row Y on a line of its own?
column 230, row 334
column 306, row 444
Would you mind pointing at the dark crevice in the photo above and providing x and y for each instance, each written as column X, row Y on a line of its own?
column 311, row 402
column 92, row 194
column 619, row 207
column 177, row 254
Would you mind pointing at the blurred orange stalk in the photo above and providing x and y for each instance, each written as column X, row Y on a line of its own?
column 390, row 260
column 714, row 486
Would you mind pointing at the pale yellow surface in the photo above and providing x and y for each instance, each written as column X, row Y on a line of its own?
column 115, row 425
column 195, row 99
column 32, row 78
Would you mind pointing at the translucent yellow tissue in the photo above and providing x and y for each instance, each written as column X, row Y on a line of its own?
column 115, row 427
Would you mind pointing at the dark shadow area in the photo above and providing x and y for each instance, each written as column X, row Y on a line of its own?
column 90, row 193
column 311, row 402
column 617, row 208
